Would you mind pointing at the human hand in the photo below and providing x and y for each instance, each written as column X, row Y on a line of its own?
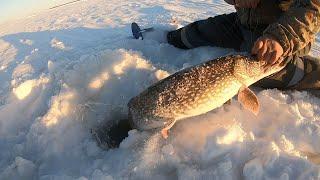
column 268, row 50
column 246, row 3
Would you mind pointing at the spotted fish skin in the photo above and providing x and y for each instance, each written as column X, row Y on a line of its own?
column 194, row 91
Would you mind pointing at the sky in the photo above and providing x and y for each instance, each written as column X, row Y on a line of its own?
column 12, row 9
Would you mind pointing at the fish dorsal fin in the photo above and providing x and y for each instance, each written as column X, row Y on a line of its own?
column 249, row 100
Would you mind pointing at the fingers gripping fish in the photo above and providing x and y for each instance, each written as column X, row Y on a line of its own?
column 197, row 90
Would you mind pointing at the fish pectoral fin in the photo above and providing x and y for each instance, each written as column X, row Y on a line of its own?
column 249, row 100
column 164, row 131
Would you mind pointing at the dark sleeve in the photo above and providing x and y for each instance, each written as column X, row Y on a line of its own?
column 230, row 2
column 297, row 27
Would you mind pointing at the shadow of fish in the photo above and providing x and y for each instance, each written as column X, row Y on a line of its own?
column 197, row 90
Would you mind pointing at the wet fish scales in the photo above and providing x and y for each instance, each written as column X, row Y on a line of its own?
column 194, row 91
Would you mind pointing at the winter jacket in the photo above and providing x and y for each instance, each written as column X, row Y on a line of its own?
column 294, row 23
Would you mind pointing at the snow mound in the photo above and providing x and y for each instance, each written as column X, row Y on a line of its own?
column 47, row 121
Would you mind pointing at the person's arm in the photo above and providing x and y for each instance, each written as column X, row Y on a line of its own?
column 243, row 3
column 293, row 31
column 297, row 27
column 229, row 2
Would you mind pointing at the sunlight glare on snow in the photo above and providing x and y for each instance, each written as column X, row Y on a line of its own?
column 128, row 61
column 234, row 134
column 161, row 74
column 120, row 67
column 142, row 64
column 288, row 147
column 2, row 68
column 99, row 81
column 61, row 106
column 24, row 89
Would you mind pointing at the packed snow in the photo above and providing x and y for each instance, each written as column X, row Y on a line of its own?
column 68, row 70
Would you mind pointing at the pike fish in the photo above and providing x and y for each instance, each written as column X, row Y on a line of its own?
column 197, row 90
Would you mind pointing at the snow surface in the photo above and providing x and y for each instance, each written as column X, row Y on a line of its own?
column 67, row 70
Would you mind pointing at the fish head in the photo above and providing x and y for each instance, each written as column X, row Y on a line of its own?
column 248, row 69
